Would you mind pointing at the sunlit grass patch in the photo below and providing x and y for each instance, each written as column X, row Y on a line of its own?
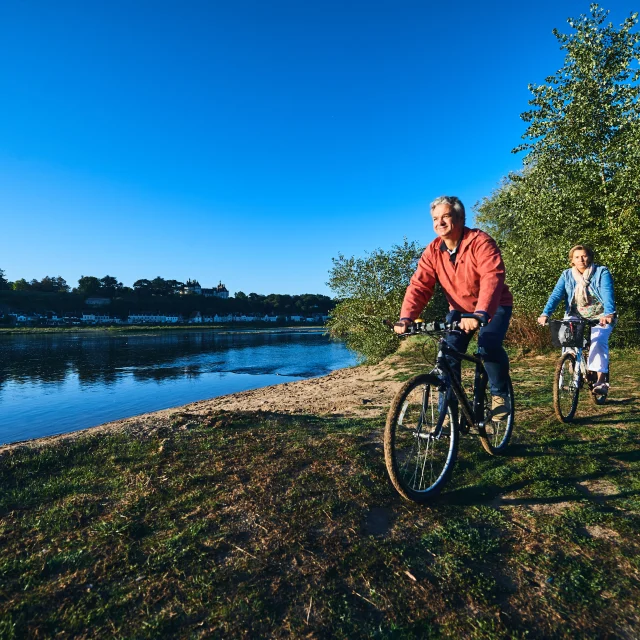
column 255, row 525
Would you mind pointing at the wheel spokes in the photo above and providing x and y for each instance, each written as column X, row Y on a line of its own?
column 423, row 460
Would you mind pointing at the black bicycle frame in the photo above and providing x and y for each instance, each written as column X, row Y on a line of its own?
column 473, row 414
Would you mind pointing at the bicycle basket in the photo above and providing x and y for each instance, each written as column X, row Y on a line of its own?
column 567, row 333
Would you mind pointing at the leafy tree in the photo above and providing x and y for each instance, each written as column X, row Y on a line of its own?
column 160, row 287
column 4, row 283
column 142, row 286
column 372, row 289
column 21, row 285
column 174, row 286
column 49, row 285
column 60, row 285
column 580, row 180
column 88, row 286
column 109, row 286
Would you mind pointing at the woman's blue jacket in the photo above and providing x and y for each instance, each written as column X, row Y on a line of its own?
column 601, row 287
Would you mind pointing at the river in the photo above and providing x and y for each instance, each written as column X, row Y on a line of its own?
column 61, row 382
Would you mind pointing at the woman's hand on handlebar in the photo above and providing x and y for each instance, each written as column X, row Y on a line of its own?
column 542, row 320
column 605, row 320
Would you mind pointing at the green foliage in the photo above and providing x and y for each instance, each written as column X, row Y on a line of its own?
column 372, row 289
column 580, row 182
column 4, row 283
column 46, row 285
column 88, row 286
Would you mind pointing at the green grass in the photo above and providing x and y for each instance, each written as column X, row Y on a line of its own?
column 278, row 526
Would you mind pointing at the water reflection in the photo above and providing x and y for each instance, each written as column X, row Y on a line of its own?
column 59, row 382
column 103, row 358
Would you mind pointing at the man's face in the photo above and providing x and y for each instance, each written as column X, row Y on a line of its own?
column 444, row 223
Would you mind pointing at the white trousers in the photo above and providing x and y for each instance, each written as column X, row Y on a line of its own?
column 599, row 351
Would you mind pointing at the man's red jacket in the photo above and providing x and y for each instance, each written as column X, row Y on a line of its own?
column 474, row 282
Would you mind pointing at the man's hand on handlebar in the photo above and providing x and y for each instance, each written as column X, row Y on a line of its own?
column 542, row 320
column 401, row 326
column 469, row 324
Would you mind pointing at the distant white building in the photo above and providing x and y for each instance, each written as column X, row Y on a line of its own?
column 147, row 318
column 98, row 302
column 191, row 287
column 217, row 292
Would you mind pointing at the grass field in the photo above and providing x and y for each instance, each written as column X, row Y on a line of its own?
column 279, row 526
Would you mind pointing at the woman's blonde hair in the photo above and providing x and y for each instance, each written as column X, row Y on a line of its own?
column 581, row 247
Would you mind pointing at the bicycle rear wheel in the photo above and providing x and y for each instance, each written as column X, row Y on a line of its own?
column 566, row 387
column 420, row 439
column 496, row 433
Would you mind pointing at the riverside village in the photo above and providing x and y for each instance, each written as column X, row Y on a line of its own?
column 95, row 310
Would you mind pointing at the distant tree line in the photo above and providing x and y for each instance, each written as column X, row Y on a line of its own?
column 158, row 294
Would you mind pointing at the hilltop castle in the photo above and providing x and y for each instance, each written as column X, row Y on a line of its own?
column 192, row 287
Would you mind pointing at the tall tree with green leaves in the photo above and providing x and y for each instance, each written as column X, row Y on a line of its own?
column 580, row 180
column 88, row 286
column 4, row 283
column 371, row 289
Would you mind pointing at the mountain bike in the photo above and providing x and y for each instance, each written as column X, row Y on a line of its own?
column 429, row 413
column 574, row 336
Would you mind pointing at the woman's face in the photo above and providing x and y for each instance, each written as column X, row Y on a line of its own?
column 580, row 260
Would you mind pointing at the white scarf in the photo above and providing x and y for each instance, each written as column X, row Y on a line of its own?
column 583, row 280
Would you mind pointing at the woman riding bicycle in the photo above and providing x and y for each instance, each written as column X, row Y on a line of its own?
column 587, row 291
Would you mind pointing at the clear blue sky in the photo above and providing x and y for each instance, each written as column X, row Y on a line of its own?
column 252, row 141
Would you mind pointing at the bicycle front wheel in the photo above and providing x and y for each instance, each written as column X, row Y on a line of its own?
column 566, row 387
column 420, row 439
column 496, row 433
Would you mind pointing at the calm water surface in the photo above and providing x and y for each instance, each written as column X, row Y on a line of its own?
column 63, row 382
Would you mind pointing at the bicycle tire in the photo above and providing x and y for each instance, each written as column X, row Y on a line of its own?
column 496, row 435
column 566, row 387
column 420, row 446
column 598, row 399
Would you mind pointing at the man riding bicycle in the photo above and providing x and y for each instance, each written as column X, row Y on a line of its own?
column 468, row 265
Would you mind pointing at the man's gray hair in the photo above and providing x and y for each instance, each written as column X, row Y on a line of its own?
column 455, row 204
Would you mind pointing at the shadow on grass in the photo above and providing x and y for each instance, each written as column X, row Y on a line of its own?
column 626, row 456
column 489, row 493
column 622, row 401
column 632, row 418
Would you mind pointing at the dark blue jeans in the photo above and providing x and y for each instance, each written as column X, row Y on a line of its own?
column 490, row 339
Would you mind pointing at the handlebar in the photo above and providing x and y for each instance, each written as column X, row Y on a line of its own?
column 419, row 326
column 587, row 321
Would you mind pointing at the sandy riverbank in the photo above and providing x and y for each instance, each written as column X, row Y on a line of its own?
column 356, row 391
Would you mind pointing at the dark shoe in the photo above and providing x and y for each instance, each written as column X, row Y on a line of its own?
column 601, row 389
